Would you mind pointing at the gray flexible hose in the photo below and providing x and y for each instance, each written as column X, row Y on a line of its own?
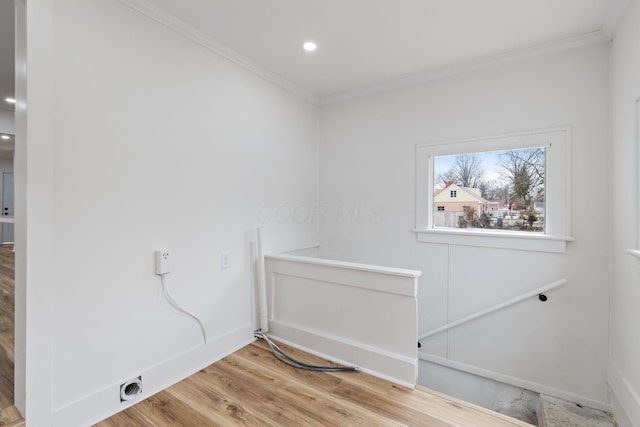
column 289, row 360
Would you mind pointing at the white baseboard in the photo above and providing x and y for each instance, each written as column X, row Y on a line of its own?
column 518, row 382
column 625, row 395
column 393, row 367
column 106, row 402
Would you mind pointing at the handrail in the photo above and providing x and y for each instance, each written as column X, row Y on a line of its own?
column 497, row 307
column 634, row 252
column 348, row 265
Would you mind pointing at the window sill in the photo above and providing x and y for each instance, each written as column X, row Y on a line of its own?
column 502, row 240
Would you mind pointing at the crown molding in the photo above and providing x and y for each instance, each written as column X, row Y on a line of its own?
column 165, row 18
column 147, row 8
column 615, row 14
column 464, row 67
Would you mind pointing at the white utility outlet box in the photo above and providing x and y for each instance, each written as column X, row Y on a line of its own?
column 131, row 390
column 162, row 261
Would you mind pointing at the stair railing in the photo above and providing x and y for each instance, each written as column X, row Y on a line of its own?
column 540, row 293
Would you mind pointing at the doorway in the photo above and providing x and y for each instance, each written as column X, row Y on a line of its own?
column 7, row 207
column 7, row 278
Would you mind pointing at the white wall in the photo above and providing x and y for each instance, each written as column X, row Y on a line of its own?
column 7, row 126
column 7, row 122
column 155, row 142
column 6, row 166
column 623, row 372
column 367, row 158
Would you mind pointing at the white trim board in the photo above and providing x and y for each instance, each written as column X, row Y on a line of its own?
column 380, row 363
column 467, row 66
column 518, row 382
column 104, row 403
column 163, row 17
column 628, row 398
column 557, row 143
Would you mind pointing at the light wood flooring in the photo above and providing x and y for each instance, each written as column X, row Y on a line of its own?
column 9, row 415
column 252, row 388
column 7, row 296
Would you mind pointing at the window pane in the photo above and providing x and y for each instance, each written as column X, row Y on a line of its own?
column 499, row 190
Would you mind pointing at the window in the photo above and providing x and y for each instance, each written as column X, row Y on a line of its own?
column 499, row 190
column 511, row 191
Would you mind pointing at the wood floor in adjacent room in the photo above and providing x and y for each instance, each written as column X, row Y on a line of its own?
column 9, row 415
column 251, row 387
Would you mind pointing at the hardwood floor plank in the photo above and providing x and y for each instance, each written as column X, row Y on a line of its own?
column 376, row 403
column 7, row 322
column 6, row 379
column 132, row 417
column 220, row 408
column 262, row 356
column 334, row 410
column 266, row 403
column 291, row 395
column 162, row 409
column 455, row 409
column 271, row 378
column 10, row 416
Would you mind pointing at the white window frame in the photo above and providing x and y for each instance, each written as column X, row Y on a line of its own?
column 557, row 233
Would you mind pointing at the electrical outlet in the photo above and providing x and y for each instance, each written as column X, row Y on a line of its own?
column 225, row 260
column 162, row 261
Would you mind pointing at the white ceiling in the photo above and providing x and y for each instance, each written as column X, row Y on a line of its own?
column 368, row 42
column 6, row 70
column 6, row 53
column 361, row 43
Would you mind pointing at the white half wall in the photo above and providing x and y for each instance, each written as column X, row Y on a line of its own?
column 623, row 373
column 360, row 315
column 147, row 141
column 367, row 167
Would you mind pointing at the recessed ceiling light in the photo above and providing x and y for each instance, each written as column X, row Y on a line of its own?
column 10, row 100
column 4, row 136
column 309, row 46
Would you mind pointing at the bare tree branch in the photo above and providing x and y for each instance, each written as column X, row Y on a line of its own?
column 466, row 171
